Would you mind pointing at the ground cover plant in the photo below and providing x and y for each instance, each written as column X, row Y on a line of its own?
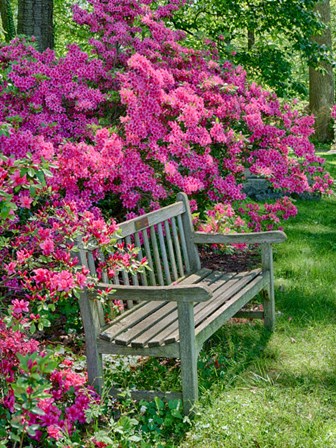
column 112, row 132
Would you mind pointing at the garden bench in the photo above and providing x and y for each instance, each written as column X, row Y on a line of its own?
column 174, row 307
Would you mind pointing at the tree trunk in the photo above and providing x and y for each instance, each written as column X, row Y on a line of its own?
column 7, row 19
column 321, row 84
column 35, row 18
column 250, row 39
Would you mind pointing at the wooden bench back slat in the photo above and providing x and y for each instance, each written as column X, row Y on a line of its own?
column 171, row 251
column 164, row 255
column 149, row 257
column 137, row 237
column 177, row 248
column 134, row 277
column 156, row 253
column 183, row 244
column 151, row 219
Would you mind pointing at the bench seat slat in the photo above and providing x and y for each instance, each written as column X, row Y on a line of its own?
column 215, row 320
column 225, row 288
column 201, row 310
column 136, row 314
column 130, row 318
column 156, row 323
column 212, row 281
column 145, row 324
column 159, row 326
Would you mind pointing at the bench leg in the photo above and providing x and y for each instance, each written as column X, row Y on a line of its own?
column 269, row 302
column 269, row 308
column 188, row 356
column 94, row 361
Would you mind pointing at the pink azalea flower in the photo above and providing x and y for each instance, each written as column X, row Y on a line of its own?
column 19, row 307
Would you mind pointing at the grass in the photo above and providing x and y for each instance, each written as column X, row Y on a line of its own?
column 281, row 391
column 264, row 390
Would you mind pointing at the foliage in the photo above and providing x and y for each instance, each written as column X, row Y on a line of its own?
column 196, row 129
column 267, row 37
column 38, row 400
column 131, row 123
column 281, row 391
column 38, row 270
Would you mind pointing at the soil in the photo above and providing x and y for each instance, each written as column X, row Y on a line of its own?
column 236, row 262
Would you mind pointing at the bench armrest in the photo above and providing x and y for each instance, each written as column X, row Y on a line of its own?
column 234, row 238
column 171, row 293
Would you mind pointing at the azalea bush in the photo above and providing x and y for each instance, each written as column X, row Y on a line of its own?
column 143, row 116
column 38, row 399
column 39, row 272
column 115, row 132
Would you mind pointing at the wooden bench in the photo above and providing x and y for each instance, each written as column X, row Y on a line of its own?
column 177, row 305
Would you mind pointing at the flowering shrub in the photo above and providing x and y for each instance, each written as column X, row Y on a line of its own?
column 37, row 399
column 138, row 120
column 39, row 269
column 22, row 182
column 197, row 124
column 177, row 118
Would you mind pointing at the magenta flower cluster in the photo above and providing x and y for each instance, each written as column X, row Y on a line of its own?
column 147, row 116
column 64, row 397
column 137, row 119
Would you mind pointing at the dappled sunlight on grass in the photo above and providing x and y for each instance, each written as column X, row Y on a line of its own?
column 284, row 393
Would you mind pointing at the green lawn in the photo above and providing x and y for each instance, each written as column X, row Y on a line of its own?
column 263, row 390
column 279, row 390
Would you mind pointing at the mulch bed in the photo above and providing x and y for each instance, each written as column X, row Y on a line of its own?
column 236, row 262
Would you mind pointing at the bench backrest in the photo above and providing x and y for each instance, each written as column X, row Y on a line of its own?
column 164, row 238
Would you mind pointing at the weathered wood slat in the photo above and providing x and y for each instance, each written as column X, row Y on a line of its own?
column 164, row 322
column 151, row 337
column 127, row 283
column 229, row 309
column 169, row 293
column 145, row 324
column 223, row 293
column 167, row 351
column 244, row 314
column 209, row 279
column 104, row 274
column 134, row 277
column 140, row 257
column 183, row 244
column 164, row 257
column 91, row 264
column 149, row 258
column 157, row 260
column 129, row 319
column 115, row 279
column 224, row 289
column 274, row 236
column 151, row 219
column 171, row 251
column 177, row 247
